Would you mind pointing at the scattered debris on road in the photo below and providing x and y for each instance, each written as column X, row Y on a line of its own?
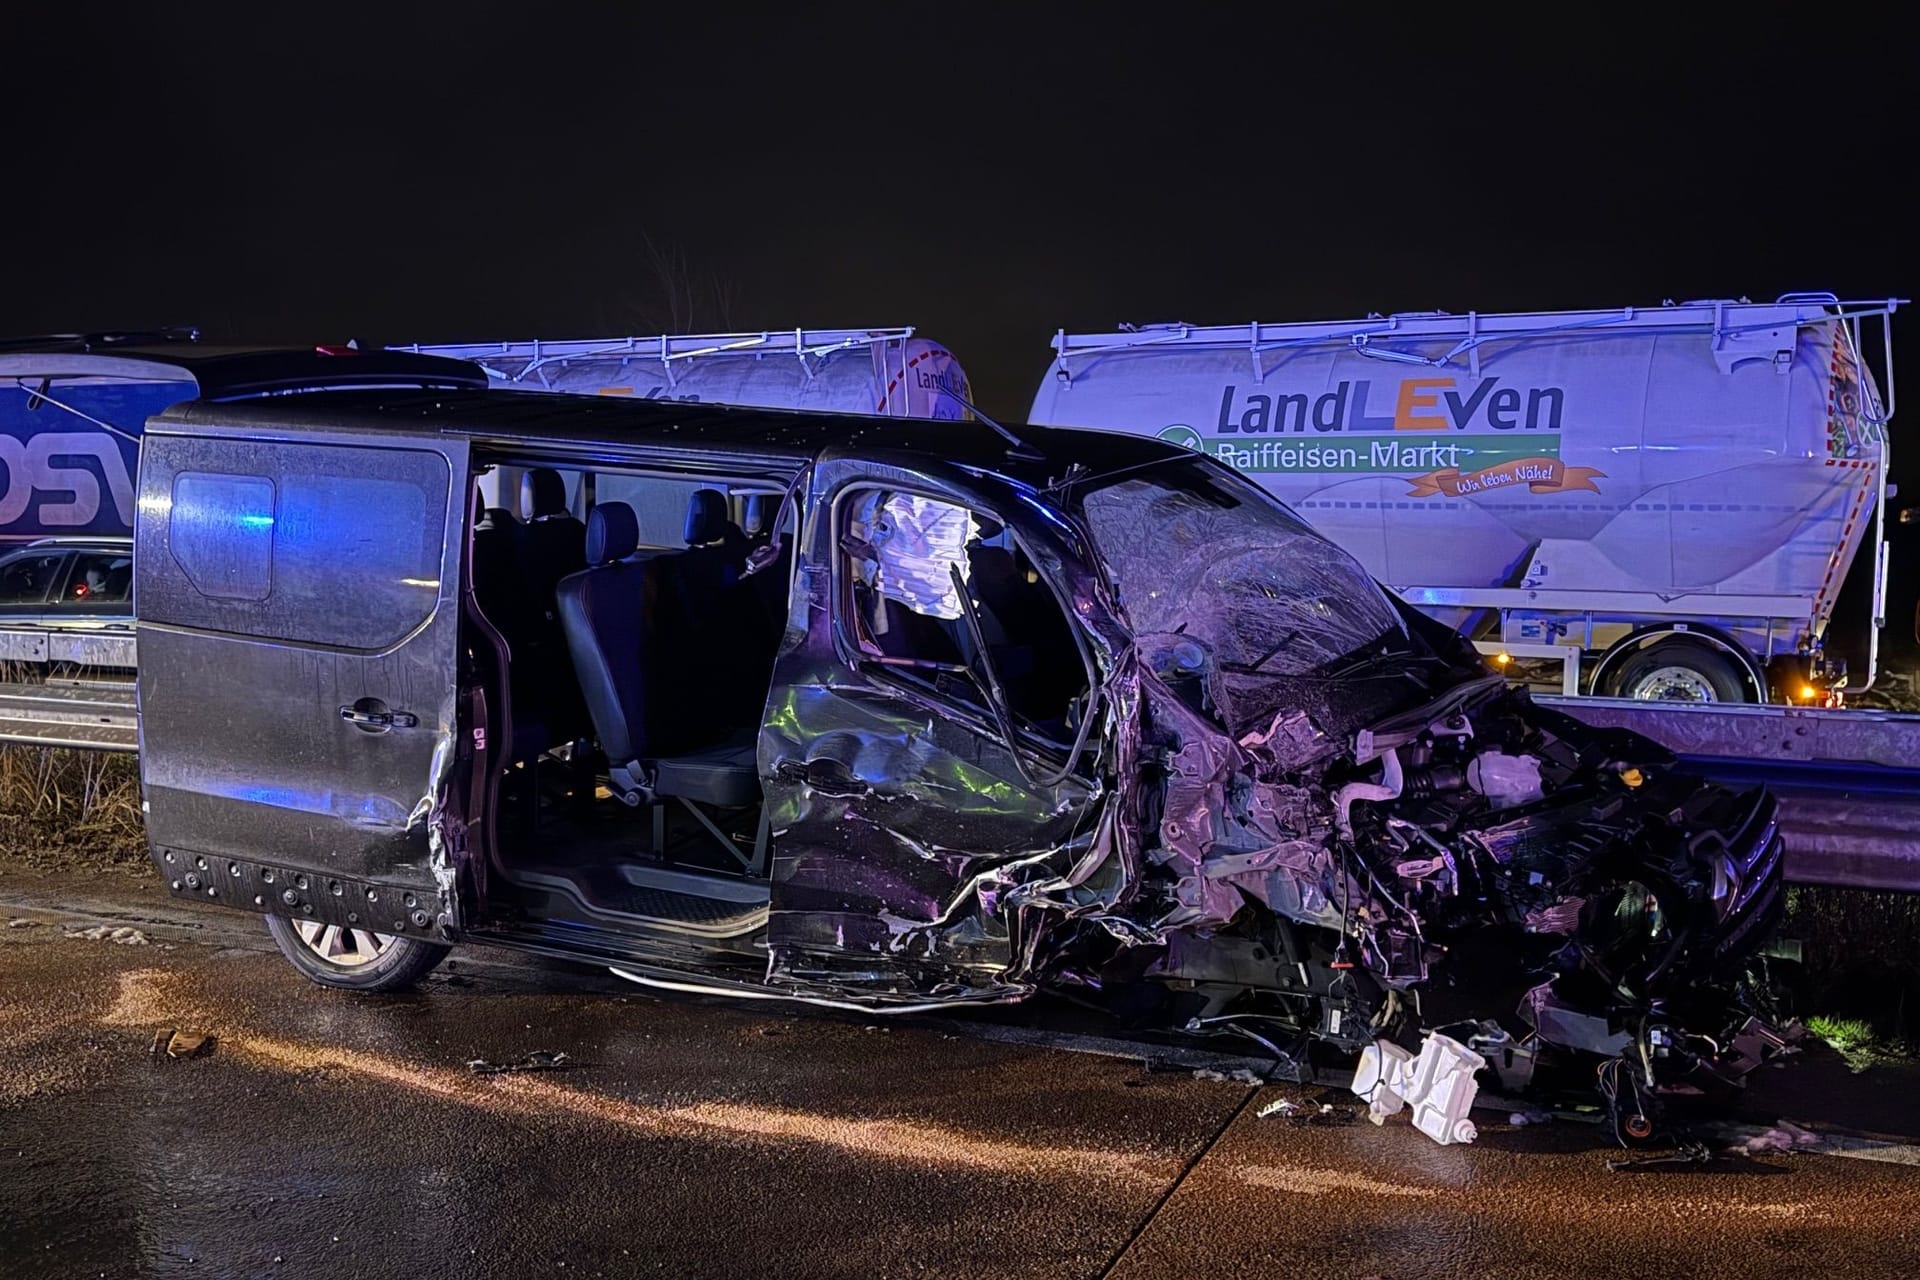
column 1306, row 1112
column 1783, row 1136
column 170, row 1042
column 124, row 935
column 538, row 1060
column 1686, row 1153
column 189, row 1044
column 22, row 923
column 1240, row 1075
column 1437, row 1083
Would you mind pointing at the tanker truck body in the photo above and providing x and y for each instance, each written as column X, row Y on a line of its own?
column 1673, row 495
column 889, row 372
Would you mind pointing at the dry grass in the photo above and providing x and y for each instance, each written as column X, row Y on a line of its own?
column 62, row 808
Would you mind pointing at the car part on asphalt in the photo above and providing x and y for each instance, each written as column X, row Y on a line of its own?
column 538, row 1060
column 1437, row 1083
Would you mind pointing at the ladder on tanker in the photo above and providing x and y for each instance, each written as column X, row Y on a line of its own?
column 530, row 361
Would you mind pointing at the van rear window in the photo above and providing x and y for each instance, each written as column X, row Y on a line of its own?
column 312, row 544
column 222, row 534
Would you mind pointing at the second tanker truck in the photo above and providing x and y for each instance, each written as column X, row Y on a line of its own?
column 1662, row 500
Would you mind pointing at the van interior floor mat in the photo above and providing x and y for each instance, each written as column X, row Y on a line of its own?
column 681, row 901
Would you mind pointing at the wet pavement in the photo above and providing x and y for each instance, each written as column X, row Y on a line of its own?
column 332, row 1135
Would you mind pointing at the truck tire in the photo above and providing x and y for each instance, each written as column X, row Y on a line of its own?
column 1678, row 670
column 353, row 959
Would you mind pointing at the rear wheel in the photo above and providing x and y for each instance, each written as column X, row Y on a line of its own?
column 1679, row 671
column 353, row 959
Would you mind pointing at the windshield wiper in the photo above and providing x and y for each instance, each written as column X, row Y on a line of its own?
column 1253, row 668
column 1078, row 474
column 1370, row 662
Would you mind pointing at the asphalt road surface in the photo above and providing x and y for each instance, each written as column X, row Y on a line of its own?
column 330, row 1135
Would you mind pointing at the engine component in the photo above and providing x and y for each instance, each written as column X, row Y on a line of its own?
column 1438, row 1084
column 1388, row 788
column 1505, row 780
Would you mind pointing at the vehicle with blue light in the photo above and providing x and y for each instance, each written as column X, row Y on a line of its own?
column 968, row 715
column 72, row 408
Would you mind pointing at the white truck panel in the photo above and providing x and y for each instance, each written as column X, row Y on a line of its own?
column 1716, row 449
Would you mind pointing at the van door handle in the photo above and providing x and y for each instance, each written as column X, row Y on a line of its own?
column 372, row 716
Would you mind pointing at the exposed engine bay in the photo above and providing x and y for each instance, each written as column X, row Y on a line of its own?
column 1543, row 889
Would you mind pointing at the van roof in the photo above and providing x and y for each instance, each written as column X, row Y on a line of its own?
column 742, row 435
column 225, row 372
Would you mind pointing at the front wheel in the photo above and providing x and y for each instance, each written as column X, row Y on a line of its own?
column 353, row 959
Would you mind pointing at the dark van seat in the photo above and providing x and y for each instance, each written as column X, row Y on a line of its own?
column 709, row 524
column 552, row 543
column 610, row 613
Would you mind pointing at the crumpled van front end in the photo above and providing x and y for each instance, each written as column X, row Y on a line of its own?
column 1345, row 826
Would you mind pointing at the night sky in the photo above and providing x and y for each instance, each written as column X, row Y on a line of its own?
column 986, row 173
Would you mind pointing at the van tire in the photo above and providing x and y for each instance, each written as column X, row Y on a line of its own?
column 1675, row 666
column 398, row 963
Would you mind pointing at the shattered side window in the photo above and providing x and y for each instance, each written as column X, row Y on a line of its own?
column 908, row 558
column 1214, row 560
column 916, row 544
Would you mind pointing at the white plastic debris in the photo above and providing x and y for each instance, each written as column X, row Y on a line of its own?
column 1382, row 1070
column 1437, row 1084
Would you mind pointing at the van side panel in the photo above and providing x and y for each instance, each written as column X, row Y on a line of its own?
column 298, row 628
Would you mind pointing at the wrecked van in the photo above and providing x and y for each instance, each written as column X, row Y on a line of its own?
column 897, row 715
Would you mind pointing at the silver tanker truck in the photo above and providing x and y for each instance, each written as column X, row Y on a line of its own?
column 1664, row 500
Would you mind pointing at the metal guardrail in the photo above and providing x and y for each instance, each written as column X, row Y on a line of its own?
column 94, row 715
column 1848, row 781
column 108, row 647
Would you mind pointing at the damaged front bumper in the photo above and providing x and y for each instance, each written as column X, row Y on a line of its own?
column 1545, row 892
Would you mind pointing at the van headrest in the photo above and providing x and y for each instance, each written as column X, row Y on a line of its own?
column 706, row 517
column 760, row 512
column 613, row 533
column 542, row 493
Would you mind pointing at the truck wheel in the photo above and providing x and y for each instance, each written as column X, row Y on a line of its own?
column 353, row 959
column 1679, row 671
